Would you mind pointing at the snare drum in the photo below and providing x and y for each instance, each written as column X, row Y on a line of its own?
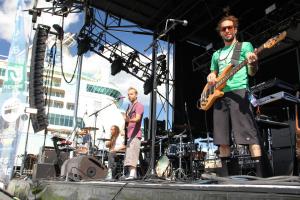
column 163, row 167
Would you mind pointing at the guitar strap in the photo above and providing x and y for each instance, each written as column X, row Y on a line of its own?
column 128, row 113
column 236, row 54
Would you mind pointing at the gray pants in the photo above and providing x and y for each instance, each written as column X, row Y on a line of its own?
column 132, row 152
column 234, row 110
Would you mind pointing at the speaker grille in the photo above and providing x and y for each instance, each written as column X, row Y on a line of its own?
column 36, row 90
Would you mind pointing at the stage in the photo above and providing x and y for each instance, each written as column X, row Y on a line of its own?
column 208, row 188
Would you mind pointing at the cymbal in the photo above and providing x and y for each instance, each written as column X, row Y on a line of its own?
column 90, row 128
column 104, row 139
column 180, row 135
column 206, row 140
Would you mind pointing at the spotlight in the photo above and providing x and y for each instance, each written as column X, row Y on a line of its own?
column 59, row 30
column 101, row 48
column 161, row 57
column 148, row 85
column 117, row 65
column 131, row 58
column 84, row 44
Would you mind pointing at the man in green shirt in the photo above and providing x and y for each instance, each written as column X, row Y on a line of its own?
column 234, row 110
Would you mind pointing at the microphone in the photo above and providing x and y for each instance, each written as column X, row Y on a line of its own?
column 119, row 98
column 183, row 22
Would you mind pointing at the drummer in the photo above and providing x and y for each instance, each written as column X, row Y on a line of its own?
column 87, row 138
column 115, row 145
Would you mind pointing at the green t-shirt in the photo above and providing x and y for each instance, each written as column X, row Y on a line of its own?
column 222, row 59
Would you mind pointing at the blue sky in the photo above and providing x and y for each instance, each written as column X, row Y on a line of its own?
column 73, row 24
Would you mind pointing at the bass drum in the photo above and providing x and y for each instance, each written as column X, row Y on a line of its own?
column 163, row 167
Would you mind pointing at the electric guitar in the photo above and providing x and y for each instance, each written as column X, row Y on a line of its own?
column 211, row 93
column 128, row 115
column 297, row 130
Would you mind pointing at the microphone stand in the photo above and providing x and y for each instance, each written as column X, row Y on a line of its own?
column 96, row 115
column 152, row 126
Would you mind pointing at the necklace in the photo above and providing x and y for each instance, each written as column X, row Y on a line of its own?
column 232, row 47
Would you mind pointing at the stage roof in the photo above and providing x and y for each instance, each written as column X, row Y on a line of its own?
column 202, row 15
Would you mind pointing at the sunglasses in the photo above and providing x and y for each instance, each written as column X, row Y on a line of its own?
column 230, row 28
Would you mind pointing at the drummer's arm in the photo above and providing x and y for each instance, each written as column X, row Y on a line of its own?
column 120, row 148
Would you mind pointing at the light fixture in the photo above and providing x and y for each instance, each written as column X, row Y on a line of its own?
column 117, row 65
column 148, row 85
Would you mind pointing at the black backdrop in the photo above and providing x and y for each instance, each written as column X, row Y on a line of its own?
column 282, row 64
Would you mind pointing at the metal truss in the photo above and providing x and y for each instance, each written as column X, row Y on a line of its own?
column 105, row 44
column 96, row 36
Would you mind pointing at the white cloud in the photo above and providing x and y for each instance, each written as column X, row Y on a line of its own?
column 8, row 13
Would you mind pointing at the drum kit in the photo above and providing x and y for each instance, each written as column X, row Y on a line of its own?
column 87, row 145
column 181, row 160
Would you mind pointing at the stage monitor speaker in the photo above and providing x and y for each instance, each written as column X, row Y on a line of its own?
column 43, row 170
column 36, row 88
column 83, row 168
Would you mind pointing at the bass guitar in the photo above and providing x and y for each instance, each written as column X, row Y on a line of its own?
column 211, row 93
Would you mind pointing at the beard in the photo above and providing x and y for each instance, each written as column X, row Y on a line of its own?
column 228, row 39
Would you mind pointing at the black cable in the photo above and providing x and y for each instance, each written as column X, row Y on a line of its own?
column 7, row 194
column 117, row 194
column 61, row 59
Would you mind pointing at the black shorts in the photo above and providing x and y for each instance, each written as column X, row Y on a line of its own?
column 233, row 114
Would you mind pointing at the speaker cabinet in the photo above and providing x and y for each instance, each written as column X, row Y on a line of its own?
column 83, row 168
column 49, row 155
column 36, row 89
column 43, row 170
column 283, row 161
column 283, row 137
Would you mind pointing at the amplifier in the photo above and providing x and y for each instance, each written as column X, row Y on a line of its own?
column 49, row 155
column 43, row 170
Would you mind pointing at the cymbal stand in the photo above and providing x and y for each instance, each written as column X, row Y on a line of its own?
column 180, row 172
column 208, row 146
column 161, row 138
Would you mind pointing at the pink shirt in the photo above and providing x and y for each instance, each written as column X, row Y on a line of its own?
column 134, row 128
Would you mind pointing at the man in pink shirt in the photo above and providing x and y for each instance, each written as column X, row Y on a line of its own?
column 133, row 119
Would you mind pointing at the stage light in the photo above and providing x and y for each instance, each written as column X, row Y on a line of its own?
column 131, row 58
column 101, row 48
column 84, row 44
column 59, row 30
column 148, row 85
column 270, row 9
column 117, row 65
column 161, row 57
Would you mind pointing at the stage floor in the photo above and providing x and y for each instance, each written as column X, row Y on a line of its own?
column 235, row 188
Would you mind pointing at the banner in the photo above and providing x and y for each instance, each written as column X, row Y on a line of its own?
column 13, row 97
